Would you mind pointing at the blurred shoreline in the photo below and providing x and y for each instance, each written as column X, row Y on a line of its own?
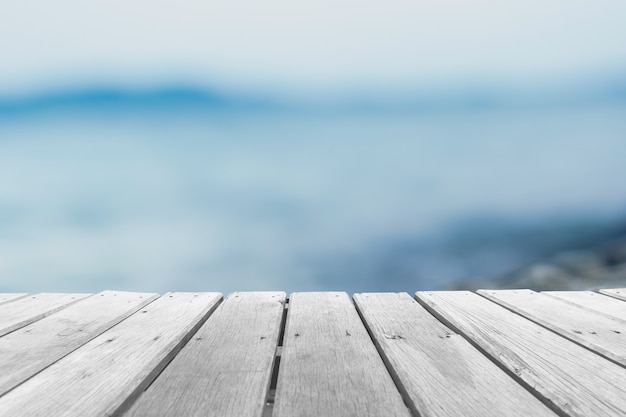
column 589, row 268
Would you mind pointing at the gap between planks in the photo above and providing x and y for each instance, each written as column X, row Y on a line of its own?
column 268, row 410
column 588, row 328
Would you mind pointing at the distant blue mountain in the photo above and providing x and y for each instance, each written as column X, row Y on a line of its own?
column 100, row 98
column 185, row 98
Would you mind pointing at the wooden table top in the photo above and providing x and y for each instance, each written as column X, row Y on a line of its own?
column 440, row 353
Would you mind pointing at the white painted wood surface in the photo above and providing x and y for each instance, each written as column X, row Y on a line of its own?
column 107, row 373
column 601, row 303
column 6, row 297
column 329, row 365
column 598, row 332
column 225, row 368
column 26, row 310
column 53, row 337
column 439, row 372
column 570, row 377
column 619, row 293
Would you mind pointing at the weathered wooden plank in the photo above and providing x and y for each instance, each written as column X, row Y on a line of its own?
column 107, row 373
column 26, row 310
column 615, row 292
column 567, row 376
column 225, row 369
column 6, row 297
column 600, row 333
column 329, row 365
column 439, row 372
column 28, row 350
column 592, row 300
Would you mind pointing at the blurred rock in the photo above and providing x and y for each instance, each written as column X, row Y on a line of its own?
column 572, row 270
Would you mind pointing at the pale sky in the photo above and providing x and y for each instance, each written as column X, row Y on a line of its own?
column 305, row 45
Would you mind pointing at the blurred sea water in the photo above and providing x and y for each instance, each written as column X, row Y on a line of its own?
column 245, row 199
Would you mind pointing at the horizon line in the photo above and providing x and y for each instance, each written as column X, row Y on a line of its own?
column 169, row 95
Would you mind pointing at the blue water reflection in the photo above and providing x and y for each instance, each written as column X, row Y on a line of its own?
column 182, row 191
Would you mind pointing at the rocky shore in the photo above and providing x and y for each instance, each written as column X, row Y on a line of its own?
column 601, row 267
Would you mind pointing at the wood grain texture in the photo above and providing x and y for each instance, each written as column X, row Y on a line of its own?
column 226, row 367
column 329, row 365
column 567, row 376
column 26, row 310
column 619, row 293
column 439, row 372
column 6, row 297
column 28, row 350
column 603, row 334
column 107, row 373
column 593, row 301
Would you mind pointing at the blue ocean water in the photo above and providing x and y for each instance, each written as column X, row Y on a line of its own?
column 206, row 198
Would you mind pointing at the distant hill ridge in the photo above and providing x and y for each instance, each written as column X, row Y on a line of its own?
column 109, row 97
column 180, row 96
